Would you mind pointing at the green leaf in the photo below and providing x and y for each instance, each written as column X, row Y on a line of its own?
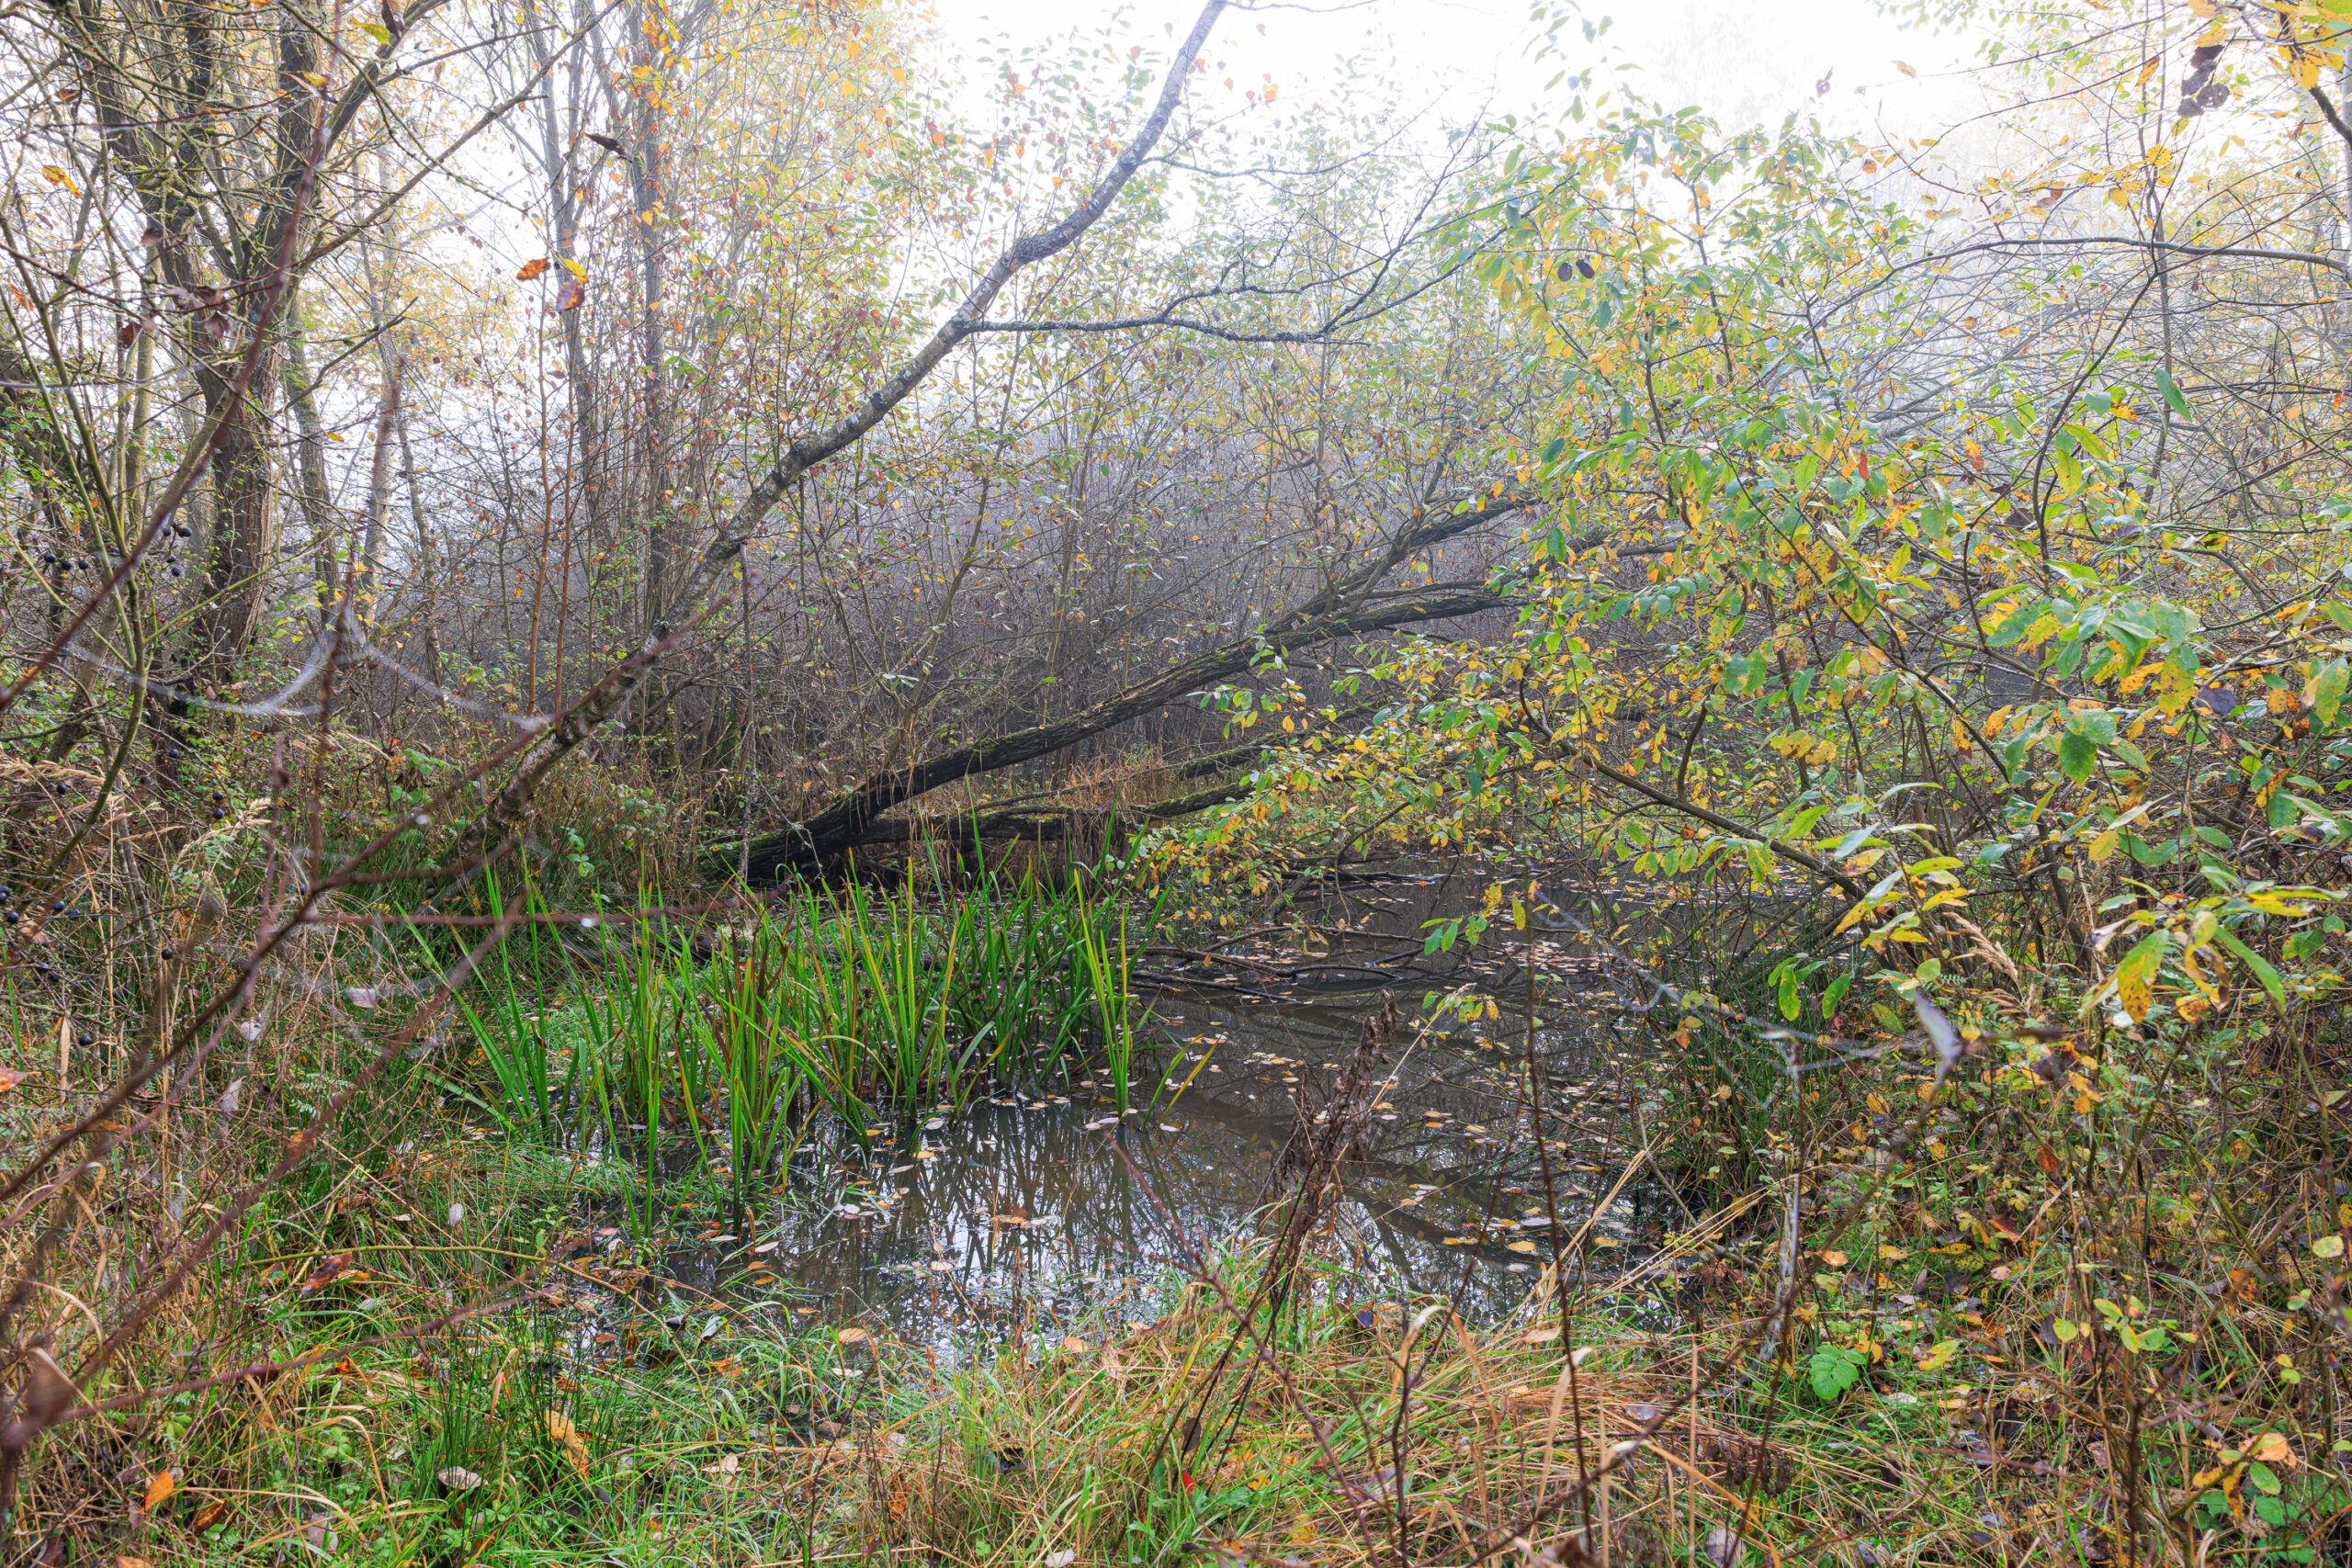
column 2070, row 471
column 2171, row 390
column 1833, row 1371
column 2256, row 962
column 2325, row 691
column 2077, row 754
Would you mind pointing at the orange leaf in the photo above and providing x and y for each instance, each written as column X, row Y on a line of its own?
column 326, row 1274
column 532, row 269
column 572, row 294
column 208, row 1516
column 161, row 1487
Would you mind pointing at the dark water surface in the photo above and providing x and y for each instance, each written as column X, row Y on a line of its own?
column 1043, row 1211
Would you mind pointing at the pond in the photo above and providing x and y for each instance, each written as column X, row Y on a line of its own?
column 1039, row 1212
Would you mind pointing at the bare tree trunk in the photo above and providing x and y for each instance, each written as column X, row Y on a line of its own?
column 556, row 142
column 311, row 452
column 658, row 713
column 238, row 556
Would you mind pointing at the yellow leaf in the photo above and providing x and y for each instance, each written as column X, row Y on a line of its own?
column 2306, row 70
column 575, row 268
column 1523, row 1247
column 2149, row 68
column 2103, row 847
column 1894, row 1253
column 561, row 1432
column 2328, row 1247
column 2271, row 1449
column 1906, row 70
column 58, row 177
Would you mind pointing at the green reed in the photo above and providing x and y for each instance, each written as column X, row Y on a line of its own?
column 503, row 1015
column 868, row 1003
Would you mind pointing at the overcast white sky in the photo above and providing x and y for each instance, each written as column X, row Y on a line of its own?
column 1741, row 60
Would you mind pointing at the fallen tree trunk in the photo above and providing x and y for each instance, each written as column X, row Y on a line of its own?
column 1353, row 607
column 1042, row 823
column 805, row 847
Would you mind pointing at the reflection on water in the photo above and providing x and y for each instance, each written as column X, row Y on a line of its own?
column 1039, row 1211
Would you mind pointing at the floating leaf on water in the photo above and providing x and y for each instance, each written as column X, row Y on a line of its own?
column 1523, row 1247
column 1165, row 1127
column 853, row 1337
column 940, row 1266
column 457, row 1478
column 1074, row 1344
